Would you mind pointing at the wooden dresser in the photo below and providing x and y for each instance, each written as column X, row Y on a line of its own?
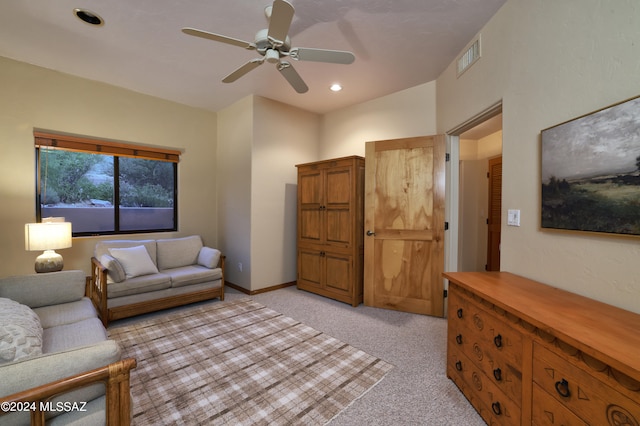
column 526, row 353
column 330, row 228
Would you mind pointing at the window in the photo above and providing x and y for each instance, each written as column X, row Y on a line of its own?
column 104, row 187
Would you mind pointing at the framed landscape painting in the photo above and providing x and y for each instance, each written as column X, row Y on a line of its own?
column 591, row 172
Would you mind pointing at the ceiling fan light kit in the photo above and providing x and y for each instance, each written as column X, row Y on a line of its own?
column 273, row 44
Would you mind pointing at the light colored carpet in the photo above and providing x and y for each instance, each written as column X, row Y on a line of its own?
column 416, row 391
column 240, row 363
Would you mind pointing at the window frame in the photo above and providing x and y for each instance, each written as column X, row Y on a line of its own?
column 113, row 149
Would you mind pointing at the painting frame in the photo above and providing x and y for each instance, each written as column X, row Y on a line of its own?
column 590, row 172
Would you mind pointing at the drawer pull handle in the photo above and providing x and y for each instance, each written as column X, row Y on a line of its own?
column 562, row 387
column 459, row 313
column 498, row 341
column 497, row 410
column 497, row 373
column 459, row 339
column 458, row 365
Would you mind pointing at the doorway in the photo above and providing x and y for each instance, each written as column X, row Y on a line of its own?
column 476, row 193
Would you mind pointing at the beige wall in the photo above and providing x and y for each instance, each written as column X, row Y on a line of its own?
column 550, row 61
column 407, row 113
column 260, row 142
column 474, row 200
column 233, row 169
column 34, row 97
column 283, row 137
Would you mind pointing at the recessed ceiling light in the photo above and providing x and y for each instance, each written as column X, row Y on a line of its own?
column 336, row 87
column 88, row 17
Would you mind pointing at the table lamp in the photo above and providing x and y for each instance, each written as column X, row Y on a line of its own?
column 51, row 234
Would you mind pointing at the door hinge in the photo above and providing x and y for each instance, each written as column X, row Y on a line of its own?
column 447, row 157
column 445, row 293
column 446, row 226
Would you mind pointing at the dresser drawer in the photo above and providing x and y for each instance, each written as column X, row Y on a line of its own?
column 580, row 392
column 501, row 372
column 547, row 411
column 486, row 329
column 492, row 404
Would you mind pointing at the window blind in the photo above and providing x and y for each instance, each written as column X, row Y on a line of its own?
column 97, row 146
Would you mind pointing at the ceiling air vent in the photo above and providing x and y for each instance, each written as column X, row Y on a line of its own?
column 469, row 57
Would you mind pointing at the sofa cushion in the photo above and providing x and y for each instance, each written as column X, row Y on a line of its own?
column 37, row 290
column 177, row 252
column 209, row 257
column 143, row 284
column 135, row 261
column 66, row 313
column 20, row 331
column 74, row 335
column 115, row 271
column 192, row 274
column 28, row 373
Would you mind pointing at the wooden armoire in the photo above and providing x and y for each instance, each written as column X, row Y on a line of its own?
column 330, row 228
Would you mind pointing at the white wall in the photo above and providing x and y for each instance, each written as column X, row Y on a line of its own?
column 550, row 61
column 404, row 114
column 34, row 97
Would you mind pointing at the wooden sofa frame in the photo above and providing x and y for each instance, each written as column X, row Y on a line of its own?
column 96, row 290
column 115, row 376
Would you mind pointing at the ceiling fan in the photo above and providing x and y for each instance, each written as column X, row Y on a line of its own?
column 274, row 45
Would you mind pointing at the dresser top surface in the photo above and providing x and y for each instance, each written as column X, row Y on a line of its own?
column 607, row 332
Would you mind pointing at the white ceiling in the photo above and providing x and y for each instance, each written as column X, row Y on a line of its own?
column 397, row 43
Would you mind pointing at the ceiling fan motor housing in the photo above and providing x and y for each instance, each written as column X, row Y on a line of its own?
column 263, row 43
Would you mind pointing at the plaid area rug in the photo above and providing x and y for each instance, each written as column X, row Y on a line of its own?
column 241, row 363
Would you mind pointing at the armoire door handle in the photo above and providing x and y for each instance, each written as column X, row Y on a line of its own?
column 370, row 233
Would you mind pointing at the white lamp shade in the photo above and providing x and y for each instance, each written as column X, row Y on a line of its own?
column 47, row 236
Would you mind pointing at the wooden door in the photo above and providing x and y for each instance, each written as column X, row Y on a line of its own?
column 404, row 224
column 494, row 221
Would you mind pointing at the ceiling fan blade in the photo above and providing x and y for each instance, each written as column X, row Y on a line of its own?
column 218, row 37
column 322, row 55
column 254, row 63
column 280, row 21
column 292, row 77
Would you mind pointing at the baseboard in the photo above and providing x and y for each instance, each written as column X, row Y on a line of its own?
column 262, row 290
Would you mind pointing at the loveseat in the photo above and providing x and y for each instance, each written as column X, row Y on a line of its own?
column 132, row 277
column 52, row 341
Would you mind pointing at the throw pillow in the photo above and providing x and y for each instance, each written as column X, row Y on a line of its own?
column 209, row 257
column 135, row 261
column 115, row 271
column 20, row 331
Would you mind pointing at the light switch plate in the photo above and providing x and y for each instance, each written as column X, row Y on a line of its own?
column 513, row 217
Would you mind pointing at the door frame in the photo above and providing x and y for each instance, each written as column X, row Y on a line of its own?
column 452, row 186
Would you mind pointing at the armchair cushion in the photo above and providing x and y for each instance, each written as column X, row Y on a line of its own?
column 20, row 331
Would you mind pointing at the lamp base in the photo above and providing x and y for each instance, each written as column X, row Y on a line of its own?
column 49, row 261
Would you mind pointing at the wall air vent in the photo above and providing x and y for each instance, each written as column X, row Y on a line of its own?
column 469, row 57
